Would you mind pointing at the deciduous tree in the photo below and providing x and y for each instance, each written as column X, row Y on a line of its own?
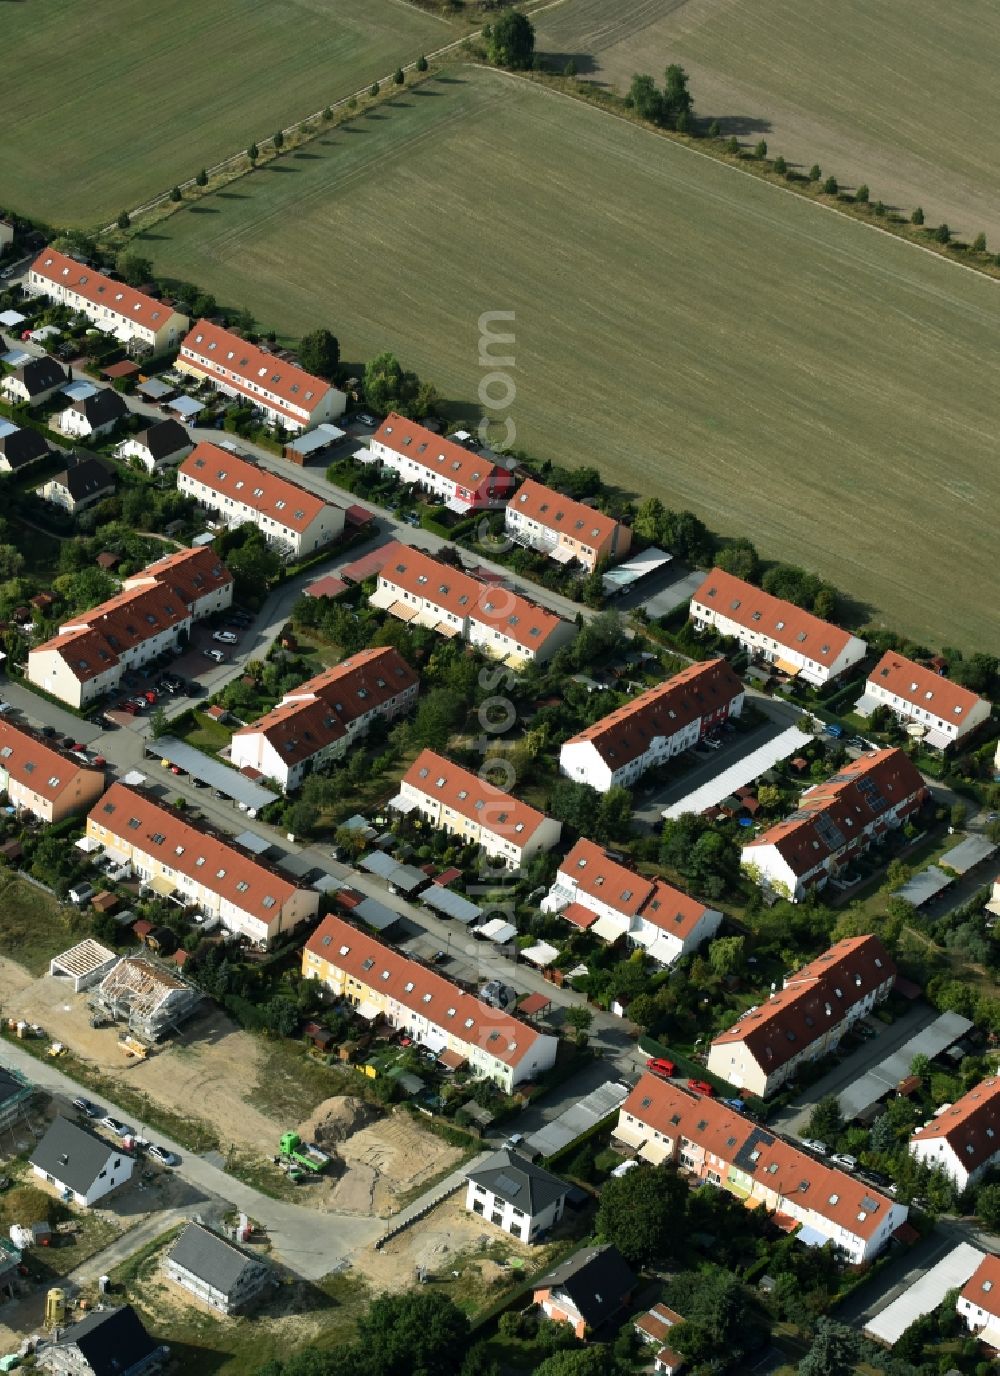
column 641, row 1212
column 511, row 41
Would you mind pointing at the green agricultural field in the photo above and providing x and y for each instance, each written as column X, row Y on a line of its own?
column 784, row 371
column 112, row 104
column 901, row 94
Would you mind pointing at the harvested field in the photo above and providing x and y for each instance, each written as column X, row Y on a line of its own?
column 190, row 85
column 783, row 371
column 846, row 85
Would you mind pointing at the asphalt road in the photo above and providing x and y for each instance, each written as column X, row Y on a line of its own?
column 311, row 1242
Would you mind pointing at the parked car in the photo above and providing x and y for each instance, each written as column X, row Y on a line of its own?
column 115, row 1125
column 514, row 1140
column 814, row 1144
column 165, row 1158
column 842, row 1158
column 832, row 729
column 659, row 1065
column 48, row 731
column 215, row 655
column 88, row 1107
column 702, row 1087
column 226, row 637
column 439, row 957
column 712, row 742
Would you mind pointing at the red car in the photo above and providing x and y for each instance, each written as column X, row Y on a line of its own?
column 150, row 696
column 702, row 1087
column 659, row 1065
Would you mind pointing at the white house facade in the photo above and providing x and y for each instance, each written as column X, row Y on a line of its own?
column 285, row 394
column 962, row 1139
column 515, row 1195
column 914, row 693
column 661, row 722
column 114, row 307
column 462, row 477
column 778, row 632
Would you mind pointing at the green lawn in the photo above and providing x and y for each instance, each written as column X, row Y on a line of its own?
column 35, row 925
column 896, row 94
column 784, row 371
column 117, row 105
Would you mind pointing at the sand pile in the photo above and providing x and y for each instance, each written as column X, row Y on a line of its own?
column 336, row 1119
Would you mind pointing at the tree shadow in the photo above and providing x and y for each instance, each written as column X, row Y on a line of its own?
column 735, row 125
column 232, row 195
column 584, row 62
column 203, row 209
column 279, row 167
column 307, row 157
column 425, row 91
column 148, row 234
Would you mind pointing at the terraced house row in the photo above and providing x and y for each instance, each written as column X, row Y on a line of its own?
column 661, row 1123
column 113, row 306
column 380, row 982
column 154, row 612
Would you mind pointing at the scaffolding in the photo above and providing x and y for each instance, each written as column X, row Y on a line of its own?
column 148, row 997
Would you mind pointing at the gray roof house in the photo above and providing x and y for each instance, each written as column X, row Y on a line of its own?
column 164, row 443
column 108, row 1342
column 84, row 481
column 79, row 1164
column 516, row 1195
column 34, row 381
column 586, row 1289
column 94, row 414
column 19, row 448
column 215, row 1271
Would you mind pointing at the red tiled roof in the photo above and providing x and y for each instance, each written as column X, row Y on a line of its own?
column 245, row 363
column 192, row 573
column 442, row 457
column 782, row 1168
column 534, row 1003
column 329, row 586
column 781, row 621
column 579, row 916
column 220, row 866
column 923, row 688
column 264, row 492
column 539, row 503
column 119, row 297
column 815, row 998
column 356, row 515
column 36, row 764
column 474, row 798
column 661, row 711
column 831, row 814
column 983, row 1287
column 599, row 877
column 459, row 593
column 429, row 994
column 319, row 711
column 971, row 1126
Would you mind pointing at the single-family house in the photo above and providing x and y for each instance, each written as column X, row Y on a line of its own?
column 84, row 481
column 834, row 823
column 566, row 530
column 241, row 493
column 661, row 1123
column 661, row 722
column 514, row 1194
column 595, row 893
column 321, row 718
column 154, row 612
column 793, row 640
column 20, row 448
column 463, row 478
column 962, row 1139
column 979, row 1302
column 470, row 807
column 587, row 1289
column 106, row 1342
column 113, row 306
column 806, row 1018
column 40, row 779
column 78, row 1164
column 158, row 446
column 170, row 854
column 285, row 394
column 215, row 1271
column 148, row 996
column 379, row 981
column 33, row 382
column 914, row 693
column 653, row 1328
column 93, row 415
column 414, row 587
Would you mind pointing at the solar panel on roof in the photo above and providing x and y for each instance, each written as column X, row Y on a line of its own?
column 505, row 1185
column 829, row 832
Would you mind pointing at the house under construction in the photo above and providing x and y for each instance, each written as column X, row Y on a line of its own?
column 152, row 999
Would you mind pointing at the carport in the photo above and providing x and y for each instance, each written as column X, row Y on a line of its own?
column 249, row 796
column 951, row 1273
column 883, row 1078
column 450, row 904
column 744, row 771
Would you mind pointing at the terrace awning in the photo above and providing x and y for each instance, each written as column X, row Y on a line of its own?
column 368, row 1010
column 402, row 612
column 811, row 1237
column 161, row 884
column 607, row 929
column 561, row 554
column 401, row 804
column 787, row 667
column 579, row 916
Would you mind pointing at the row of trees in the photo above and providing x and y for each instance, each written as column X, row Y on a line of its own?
column 671, row 107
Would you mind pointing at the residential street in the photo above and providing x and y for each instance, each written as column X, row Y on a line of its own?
column 312, row 1242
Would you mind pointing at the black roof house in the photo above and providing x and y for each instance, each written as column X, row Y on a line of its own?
column 72, row 1155
column 21, row 447
column 111, row 1342
column 519, row 1182
column 598, row 1281
column 163, row 439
